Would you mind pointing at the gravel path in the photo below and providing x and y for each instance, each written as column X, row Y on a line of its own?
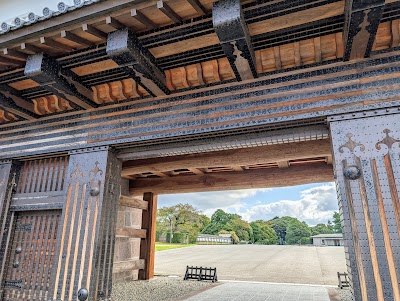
column 158, row 289
column 345, row 294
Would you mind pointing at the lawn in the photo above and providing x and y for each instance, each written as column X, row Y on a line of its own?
column 167, row 246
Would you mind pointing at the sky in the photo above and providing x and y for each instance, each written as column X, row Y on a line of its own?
column 312, row 203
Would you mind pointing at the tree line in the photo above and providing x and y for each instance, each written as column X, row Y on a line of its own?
column 183, row 222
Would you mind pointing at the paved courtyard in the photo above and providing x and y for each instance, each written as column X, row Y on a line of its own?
column 262, row 292
column 280, row 264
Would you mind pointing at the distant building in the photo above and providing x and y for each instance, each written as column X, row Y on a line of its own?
column 214, row 239
column 321, row 240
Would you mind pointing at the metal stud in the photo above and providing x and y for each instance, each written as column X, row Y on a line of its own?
column 18, row 250
column 15, row 264
column 352, row 172
column 83, row 294
column 94, row 191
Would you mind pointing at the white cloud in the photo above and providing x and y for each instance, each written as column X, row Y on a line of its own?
column 316, row 205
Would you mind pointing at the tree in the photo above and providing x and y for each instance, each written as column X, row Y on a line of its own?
column 241, row 228
column 182, row 218
column 218, row 222
column 297, row 232
column 263, row 233
column 337, row 224
column 280, row 224
column 321, row 229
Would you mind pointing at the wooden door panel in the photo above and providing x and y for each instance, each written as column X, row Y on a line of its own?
column 31, row 255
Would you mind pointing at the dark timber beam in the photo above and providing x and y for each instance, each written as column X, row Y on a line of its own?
column 257, row 178
column 234, row 37
column 16, row 104
column 362, row 18
column 235, row 157
column 126, row 50
column 46, row 72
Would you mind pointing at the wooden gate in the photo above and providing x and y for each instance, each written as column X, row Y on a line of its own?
column 30, row 256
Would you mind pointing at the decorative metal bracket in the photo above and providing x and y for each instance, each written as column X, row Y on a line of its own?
column 234, row 37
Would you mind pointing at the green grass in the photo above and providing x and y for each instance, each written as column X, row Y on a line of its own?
column 166, row 246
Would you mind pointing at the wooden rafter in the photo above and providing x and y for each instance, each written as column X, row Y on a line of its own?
column 168, row 11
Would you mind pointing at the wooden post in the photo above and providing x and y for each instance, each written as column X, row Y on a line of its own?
column 147, row 245
column 367, row 167
column 84, row 254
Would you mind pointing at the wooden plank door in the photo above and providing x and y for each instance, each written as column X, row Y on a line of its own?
column 30, row 256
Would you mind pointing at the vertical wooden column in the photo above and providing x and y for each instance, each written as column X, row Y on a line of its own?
column 367, row 168
column 9, row 173
column 147, row 245
column 83, row 260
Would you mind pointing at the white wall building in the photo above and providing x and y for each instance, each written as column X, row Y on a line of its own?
column 321, row 240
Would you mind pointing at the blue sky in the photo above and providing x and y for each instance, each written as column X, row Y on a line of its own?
column 313, row 203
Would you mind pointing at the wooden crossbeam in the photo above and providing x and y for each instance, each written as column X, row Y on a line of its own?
column 127, row 51
column 168, row 11
column 143, row 19
column 131, row 233
column 15, row 54
column 234, row 37
column 133, row 202
column 362, row 19
column 94, row 31
column 237, row 157
column 257, row 178
column 114, row 23
column 129, row 265
column 47, row 73
column 30, row 48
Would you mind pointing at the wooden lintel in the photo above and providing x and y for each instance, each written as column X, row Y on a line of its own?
column 130, row 265
column 76, row 39
column 237, row 157
column 142, row 18
column 131, row 233
column 94, row 31
column 361, row 25
column 164, row 7
column 257, row 178
column 133, row 202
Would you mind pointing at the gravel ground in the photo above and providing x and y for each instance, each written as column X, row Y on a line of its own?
column 158, row 289
column 345, row 294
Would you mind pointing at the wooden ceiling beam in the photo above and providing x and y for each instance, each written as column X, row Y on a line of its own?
column 114, row 23
column 362, row 19
column 94, row 31
column 232, row 31
column 143, row 19
column 168, row 11
column 47, row 73
column 258, row 178
column 198, row 6
column 127, row 51
column 237, row 157
column 11, row 62
column 76, row 39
